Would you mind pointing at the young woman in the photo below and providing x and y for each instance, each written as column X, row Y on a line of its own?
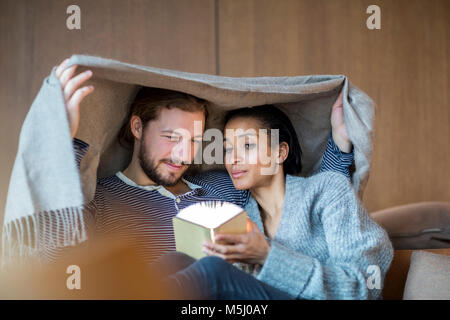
column 310, row 238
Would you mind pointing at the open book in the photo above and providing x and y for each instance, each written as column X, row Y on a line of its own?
column 200, row 222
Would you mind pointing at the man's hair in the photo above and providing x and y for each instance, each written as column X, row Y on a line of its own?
column 148, row 104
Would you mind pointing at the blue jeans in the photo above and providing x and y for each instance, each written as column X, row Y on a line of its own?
column 212, row 278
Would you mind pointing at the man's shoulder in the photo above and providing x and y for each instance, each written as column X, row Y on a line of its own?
column 211, row 177
column 219, row 183
column 110, row 184
column 109, row 180
column 111, row 188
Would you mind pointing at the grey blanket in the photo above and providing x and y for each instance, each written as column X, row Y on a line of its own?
column 45, row 176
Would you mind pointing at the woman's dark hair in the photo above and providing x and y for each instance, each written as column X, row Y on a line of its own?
column 271, row 117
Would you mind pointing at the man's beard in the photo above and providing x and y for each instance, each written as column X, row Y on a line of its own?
column 150, row 168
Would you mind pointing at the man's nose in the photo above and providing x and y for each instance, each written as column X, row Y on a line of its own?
column 182, row 153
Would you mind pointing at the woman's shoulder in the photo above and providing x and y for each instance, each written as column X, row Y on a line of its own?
column 330, row 177
column 327, row 182
column 321, row 178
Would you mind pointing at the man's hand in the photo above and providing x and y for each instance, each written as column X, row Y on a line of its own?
column 73, row 94
column 251, row 247
column 338, row 129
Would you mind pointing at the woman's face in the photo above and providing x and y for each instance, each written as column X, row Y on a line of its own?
column 249, row 158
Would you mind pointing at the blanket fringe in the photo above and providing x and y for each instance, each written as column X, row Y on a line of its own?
column 31, row 236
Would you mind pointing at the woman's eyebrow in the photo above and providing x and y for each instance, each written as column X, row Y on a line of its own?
column 243, row 135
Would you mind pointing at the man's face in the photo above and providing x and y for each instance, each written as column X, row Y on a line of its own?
column 169, row 144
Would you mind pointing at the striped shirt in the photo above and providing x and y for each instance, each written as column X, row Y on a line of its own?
column 143, row 214
column 335, row 160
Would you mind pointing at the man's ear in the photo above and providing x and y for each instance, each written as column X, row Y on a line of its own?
column 283, row 152
column 136, row 126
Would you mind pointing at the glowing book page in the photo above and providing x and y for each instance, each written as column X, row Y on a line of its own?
column 210, row 214
column 200, row 222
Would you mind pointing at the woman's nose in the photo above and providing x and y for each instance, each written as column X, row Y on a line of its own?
column 235, row 157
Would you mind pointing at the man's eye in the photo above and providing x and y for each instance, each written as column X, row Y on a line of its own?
column 228, row 150
column 249, row 146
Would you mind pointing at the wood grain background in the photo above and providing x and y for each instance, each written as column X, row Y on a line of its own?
column 404, row 66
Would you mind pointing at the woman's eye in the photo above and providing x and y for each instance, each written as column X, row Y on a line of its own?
column 228, row 150
column 249, row 146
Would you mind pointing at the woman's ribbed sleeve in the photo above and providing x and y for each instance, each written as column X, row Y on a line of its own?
column 360, row 252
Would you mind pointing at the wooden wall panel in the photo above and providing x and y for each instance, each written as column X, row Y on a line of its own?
column 174, row 34
column 404, row 67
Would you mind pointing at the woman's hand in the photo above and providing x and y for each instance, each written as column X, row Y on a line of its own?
column 338, row 129
column 73, row 94
column 251, row 247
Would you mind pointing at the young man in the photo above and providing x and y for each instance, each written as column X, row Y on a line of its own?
column 139, row 203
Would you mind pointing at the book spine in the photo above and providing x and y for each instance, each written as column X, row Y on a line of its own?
column 213, row 240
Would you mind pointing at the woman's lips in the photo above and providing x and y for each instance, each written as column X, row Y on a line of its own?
column 237, row 173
